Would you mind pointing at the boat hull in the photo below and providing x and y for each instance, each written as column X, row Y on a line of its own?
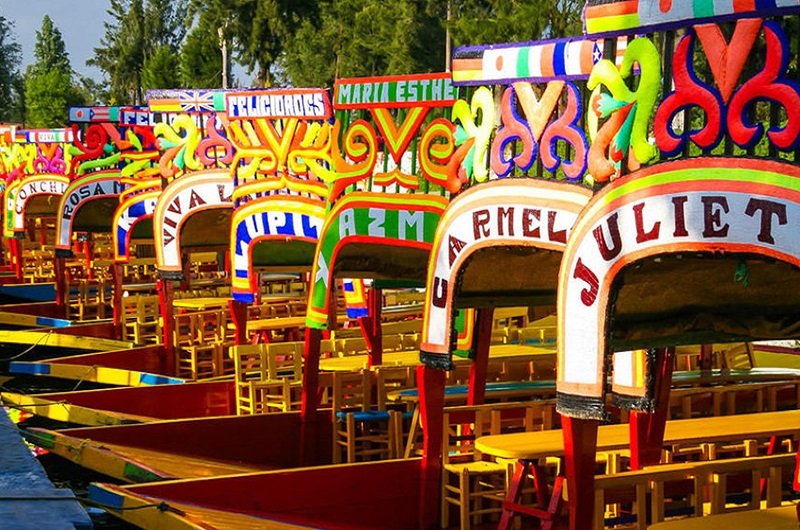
column 348, row 496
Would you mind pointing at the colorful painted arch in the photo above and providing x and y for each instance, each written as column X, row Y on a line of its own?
column 402, row 222
column 80, row 192
column 519, row 213
column 181, row 199
column 130, row 212
column 282, row 219
column 710, row 221
column 43, row 184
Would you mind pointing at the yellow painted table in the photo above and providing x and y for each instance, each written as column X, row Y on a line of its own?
column 538, row 444
column 782, row 518
column 411, row 357
column 201, row 304
column 140, row 287
column 528, row 447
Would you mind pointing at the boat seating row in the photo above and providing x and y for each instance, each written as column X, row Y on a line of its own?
column 691, row 489
column 735, row 398
column 540, row 368
column 362, row 431
column 141, row 316
column 474, row 486
column 732, row 356
column 268, row 376
column 89, row 299
column 202, row 339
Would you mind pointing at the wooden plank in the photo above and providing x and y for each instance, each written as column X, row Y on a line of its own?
column 127, row 463
column 51, row 339
column 67, row 412
column 783, row 518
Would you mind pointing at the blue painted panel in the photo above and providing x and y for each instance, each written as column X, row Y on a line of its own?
column 29, row 368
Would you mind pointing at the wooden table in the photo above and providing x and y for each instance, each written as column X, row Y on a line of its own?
column 201, row 304
column 140, row 287
column 411, row 357
column 528, row 447
column 782, row 518
column 276, row 323
column 539, row 444
column 752, row 375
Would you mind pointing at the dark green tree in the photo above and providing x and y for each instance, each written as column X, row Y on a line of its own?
column 49, row 86
column 161, row 69
column 49, row 50
column 259, row 30
column 201, row 54
column 499, row 21
column 137, row 31
column 11, row 97
column 363, row 38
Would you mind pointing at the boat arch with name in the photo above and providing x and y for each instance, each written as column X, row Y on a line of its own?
column 286, row 220
column 692, row 215
column 33, row 186
column 404, row 224
column 71, row 213
column 130, row 212
column 524, row 214
column 183, row 198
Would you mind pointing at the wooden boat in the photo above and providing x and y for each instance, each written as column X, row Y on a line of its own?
column 193, row 448
column 656, row 256
column 299, row 498
column 130, row 404
column 146, row 365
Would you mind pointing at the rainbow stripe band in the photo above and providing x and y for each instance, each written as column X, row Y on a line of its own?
column 565, row 59
column 626, row 16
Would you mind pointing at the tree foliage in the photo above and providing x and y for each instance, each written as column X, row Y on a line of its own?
column 161, row 69
column 498, row 21
column 259, row 30
column 10, row 58
column 201, row 56
column 363, row 38
column 49, row 87
column 50, row 52
column 134, row 43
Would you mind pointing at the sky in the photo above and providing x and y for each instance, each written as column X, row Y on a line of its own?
column 79, row 21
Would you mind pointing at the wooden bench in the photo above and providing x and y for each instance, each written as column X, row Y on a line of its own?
column 706, row 487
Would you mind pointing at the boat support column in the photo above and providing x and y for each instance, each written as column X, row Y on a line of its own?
column 647, row 430
column 371, row 327
column 239, row 317
column 580, row 446
column 431, row 383
column 308, row 411
column 481, row 343
column 60, row 274
column 116, row 278
column 16, row 257
column 166, row 294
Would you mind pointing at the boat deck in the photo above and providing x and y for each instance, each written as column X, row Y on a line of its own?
column 182, row 466
column 180, row 515
column 30, row 500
